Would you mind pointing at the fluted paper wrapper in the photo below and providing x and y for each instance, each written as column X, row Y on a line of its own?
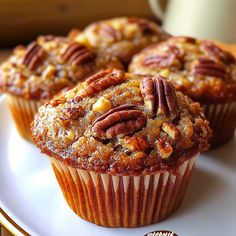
column 23, row 112
column 222, row 118
column 122, row 201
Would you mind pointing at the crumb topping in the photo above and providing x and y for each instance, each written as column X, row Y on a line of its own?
column 198, row 68
column 48, row 65
column 121, row 37
column 115, row 131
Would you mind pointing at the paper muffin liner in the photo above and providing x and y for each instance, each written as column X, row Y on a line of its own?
column 23, row 112
column 222, row 118
column 122, row 201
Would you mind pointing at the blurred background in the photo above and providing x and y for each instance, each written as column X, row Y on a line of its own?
column 21, row 21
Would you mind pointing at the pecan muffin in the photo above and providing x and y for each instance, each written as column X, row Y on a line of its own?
column 122, row 141
column 121, row 37
column 201, row 70
column 35, row 74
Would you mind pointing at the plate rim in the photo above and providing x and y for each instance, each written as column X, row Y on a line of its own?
column 10, row 225
column 5, row 220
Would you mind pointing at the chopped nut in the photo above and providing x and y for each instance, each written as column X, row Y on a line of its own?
column 81, row 38
column 34, row 56
column 56, row 102
column 171, row 130
column 165, row 73
column 136, row 143
column 131, row 29
column 20, row 79
column 116, row 25
column 49, row 72
column 81, row 142
column 102, row 105
column 74, row 112
column 50, row 45
column 164, row 148
column 70, row 135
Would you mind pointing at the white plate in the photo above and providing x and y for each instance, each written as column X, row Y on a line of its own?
column 29, row 193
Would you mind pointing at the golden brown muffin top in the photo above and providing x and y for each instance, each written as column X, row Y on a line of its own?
column 198, row 68
column 49, row 65
column 121, row 123
column 121, row 37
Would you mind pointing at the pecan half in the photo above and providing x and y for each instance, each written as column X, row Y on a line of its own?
column 101, row 81
column 159, row 96
column 171, row 56
column 77, row 54
column 34, row 56
column 218, row 53
column 109, row 31
column 209, row 68
column 159, row 60
column 122, row 120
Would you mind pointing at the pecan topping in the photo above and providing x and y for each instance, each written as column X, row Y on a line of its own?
column 171, row 131
column 121, row 120
column 34, row 55
column 218, row 53
column 164, row 148
column 170, row 57
column 159, row 96
column 159, row 60
column 77, row 54
column 57, row 101
column 101, row 81
column 74, row 112
column 109, row 31
column 209, row 68
column 138, row 143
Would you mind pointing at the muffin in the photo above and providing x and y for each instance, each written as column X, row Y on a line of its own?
column 35, row 74
column 121, row 37
column 122, row 141
column 202, row 71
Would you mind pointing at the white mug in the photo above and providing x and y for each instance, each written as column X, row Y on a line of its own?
column 208, row 19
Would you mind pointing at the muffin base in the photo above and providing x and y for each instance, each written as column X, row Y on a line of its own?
column 222, row 118
column 23, row 112
column 122, row 201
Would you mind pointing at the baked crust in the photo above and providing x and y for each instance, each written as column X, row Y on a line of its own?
column 81, row 131
column 49, row 65
column 121, row 37
column 198, row 68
